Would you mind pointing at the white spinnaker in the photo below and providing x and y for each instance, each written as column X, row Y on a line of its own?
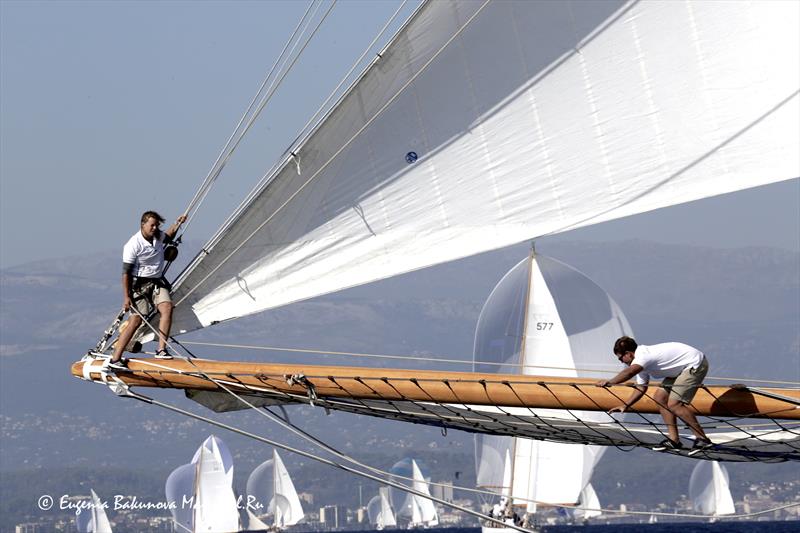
column 538, row 117
column 552, row 319
column 709, row 489
column 93, row 519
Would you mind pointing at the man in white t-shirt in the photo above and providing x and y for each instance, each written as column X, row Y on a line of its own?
column 143, row 284
column 681, row 369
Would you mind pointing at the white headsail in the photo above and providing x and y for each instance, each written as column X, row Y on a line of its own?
column 709, row 489
column 93, row 519
column 380, row 511
column 424, row 511
column 201, row 491
column 272, row 491
column 544, row 318
column 484, row 124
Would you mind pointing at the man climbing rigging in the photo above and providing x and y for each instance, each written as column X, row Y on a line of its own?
column 143, row 285
column 682, row 369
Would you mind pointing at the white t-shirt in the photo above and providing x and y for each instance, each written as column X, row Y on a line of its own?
column 147, row 259
column 666, row 360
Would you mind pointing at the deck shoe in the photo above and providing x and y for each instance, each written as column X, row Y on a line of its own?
column 667, row 444
column 163, row 354
column 700, row 445
column 119, row 366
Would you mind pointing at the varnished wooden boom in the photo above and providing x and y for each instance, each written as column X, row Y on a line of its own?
column 502, row 390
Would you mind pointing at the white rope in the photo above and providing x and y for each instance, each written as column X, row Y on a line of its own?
column 391, row 100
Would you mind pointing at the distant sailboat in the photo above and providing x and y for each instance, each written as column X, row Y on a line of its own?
column 270, row 488
column 379, row 510
column 94, row 519
column 414, row 510
column 544, row 318
column 201, row 491
column 709, row 489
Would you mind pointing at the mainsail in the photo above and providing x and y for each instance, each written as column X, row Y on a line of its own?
column 487, row 123
column 544, row 318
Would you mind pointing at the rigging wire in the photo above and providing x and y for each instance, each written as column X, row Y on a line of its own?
column 225, row 153
column 336, row 154
column 275, row 84
column 329, row 462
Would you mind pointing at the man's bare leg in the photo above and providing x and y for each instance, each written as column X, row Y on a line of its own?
column 164, row 323
column 125, row 337
column 684, row 413
column 661, row 397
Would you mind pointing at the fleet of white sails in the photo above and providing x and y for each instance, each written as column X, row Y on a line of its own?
column 202, row 498
column 545, row 318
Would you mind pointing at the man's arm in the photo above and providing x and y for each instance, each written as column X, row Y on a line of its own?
column 622, row 377
column 126, row 290
column 636, row 395
column 173, row 229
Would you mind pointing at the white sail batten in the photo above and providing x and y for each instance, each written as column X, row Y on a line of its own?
column 538, row 117
column 709, row 489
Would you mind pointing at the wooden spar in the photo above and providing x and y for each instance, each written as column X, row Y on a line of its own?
column 502, row 390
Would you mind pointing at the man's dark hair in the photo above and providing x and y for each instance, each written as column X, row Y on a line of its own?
column 152, row 214
column 624, row 345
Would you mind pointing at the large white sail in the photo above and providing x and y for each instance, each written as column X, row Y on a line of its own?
column 554, row 321
column 272, row 492
column 93, row 519
column 709, row 489
column 485, row 124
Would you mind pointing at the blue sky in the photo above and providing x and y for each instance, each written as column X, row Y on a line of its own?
column 111, row 108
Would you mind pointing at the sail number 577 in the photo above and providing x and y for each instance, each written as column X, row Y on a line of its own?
column 544, row 326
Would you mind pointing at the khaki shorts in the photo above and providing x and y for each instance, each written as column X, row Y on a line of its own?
column 685, row 385
column 149, row 296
